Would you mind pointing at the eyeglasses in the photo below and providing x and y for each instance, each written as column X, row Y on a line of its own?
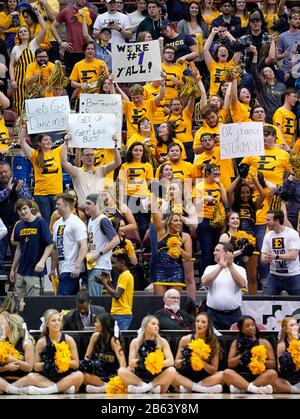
column 174, row 298
column 88, row 155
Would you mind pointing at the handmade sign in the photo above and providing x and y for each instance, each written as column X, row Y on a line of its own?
column 47, row 114
column 138, row 62
column 92, row 130
column 241, row 140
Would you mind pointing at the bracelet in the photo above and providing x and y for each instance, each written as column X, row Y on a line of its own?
column 120, row 29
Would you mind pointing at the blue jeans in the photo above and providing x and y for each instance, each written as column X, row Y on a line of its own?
column 274, row 284
column 260, row 231
column 68, row 285
column 123, row 320
column 46, row 205
column 208, row 238
column 95, row 289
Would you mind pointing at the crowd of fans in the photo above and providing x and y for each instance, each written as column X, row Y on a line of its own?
column 233, row 224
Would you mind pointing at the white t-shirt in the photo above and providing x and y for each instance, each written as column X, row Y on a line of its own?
column 97, row 241
column 281, row 243
column 66, row 234
column 103, row 20
column 223, row 293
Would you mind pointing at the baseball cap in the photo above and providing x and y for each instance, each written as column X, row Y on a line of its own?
column 109, row 1
column 166, row 23
column 93, row 197
column 255, row 15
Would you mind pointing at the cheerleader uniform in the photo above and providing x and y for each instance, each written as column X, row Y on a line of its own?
column 52, row 373
column 12, row 376
column 248, row 220
column 146, row 347
column 237, row 259
column 187, row 370
column 242, row 347
column 168, row 271
column 288, row 368
column 104, row 363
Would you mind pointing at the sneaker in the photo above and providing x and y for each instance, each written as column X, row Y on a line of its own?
column 182, row 389
column 218, row 388
column 70, row 390
column 235, row 390
column 156, row 390
column 268, row 389
column 142, row 388
column 94, row 389
column 199, row 388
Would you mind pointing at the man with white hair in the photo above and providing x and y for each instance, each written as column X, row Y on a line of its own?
column 172, row 317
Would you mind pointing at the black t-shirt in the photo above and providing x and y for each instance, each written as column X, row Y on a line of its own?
column 181, row 43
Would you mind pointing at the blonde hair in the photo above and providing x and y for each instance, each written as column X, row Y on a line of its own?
column 141, row 334
column 47, row 315
column 17, row 330
column 284, row 324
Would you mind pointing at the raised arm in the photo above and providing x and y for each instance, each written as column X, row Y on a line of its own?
column 117, row 159
column 272, row 50
column 86, row 36
column 23, row 143
column 40, row 36
column 158, row 98
column 207, row 55
column 230, row 190
column 69, row 168
column 262, row 195
column 51, row 13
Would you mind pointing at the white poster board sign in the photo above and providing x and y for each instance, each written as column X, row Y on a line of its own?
column 139, row 62
column 95, row 103
column 92, row 130
column 47, row 114
column 241, row 140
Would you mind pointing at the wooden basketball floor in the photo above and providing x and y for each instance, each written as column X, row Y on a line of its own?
column 150, row 397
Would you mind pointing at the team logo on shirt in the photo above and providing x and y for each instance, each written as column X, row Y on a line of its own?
column 278, row 243
column 50, row 167
column 60, row 242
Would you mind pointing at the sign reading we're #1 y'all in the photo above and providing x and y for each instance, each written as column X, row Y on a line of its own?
column 138, row 62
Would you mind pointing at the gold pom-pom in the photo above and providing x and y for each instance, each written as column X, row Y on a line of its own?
column 240, row 234
column 295, row 163
column 154, row 362
column 129, row 247
column 116, row 386
column 294, row 350
column 6, row 350
column 200, row 353
column 173, row 242
column 231, row 73
column 258, row 359
column 62, row 357
column 174, row 252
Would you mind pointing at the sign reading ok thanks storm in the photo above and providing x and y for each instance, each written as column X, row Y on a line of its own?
column 241, row 140
column 139, row 62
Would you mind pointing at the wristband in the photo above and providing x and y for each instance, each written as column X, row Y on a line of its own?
column 101, row 253
column 120, row 29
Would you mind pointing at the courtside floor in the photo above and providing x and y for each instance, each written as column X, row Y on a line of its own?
column 168, row 397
